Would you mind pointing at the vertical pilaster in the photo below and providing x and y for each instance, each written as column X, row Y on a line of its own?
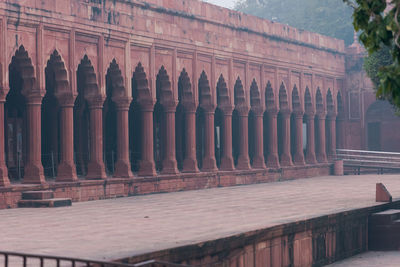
column 123, row 166
column 4, row 181
column 33, row 173
column 66, row 171
column 298, row 158
column 273, row 158
column 169, row 162
column 258, row 159
column 190, row 162
column 310, row 148
column 96, row 169
column 209, row 162
column 332, row 136
column 147, row 166
column 227, row 159
column 243, row 159
column 286, row 157
column 321, row 138
column 340, row 132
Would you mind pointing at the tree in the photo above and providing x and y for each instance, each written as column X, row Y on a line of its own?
column 378, row 23
column 328, row 17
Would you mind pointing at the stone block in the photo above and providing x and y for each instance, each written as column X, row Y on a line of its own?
column 382, row 194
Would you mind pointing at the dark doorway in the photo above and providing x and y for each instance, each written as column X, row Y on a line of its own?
column 374, row 136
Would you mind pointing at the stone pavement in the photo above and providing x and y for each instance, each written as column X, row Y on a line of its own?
column 117, row 228
column 371, row 259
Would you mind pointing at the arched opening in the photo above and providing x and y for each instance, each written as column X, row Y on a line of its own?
column 255, row 103
column 283, row 107
column 269, row 105
column 222, row 103
column 339, row 119
column 15, row 120
column 86, row 81
column 320, row 110
column 239, row 101
column 139, row 84
column 296, row 108
column 330, row 110
column 51, row 119
column 308, row 110
column 186, row 101
column 113, row 87
column 163, row 94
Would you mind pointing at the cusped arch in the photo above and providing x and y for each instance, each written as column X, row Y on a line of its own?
column 116, row 80
column 308, row 101
column 239, row 94
column 56, row 68
column 222, row 93
column 185, row 94
column 296, row 104
column 255, row 97
column 21, row 63
column 339, row 102
column 205, row 98
column 329, row 102
column 283, row 99
column 319, row 103
column 140, row 91
column 86, row 76
column 163, row 87
column 269, row 96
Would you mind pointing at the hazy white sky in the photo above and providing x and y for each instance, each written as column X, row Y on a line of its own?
column 224, row 3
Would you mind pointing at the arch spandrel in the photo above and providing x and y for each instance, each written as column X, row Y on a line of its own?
column 164, row 91
column 308, row 104
column 283, row 98
column 87, row 79
column 319, row 102
column 255, row 98
column 223, row 98
column 330, row 104
column 270, row 98
column 296, row 102
column 141, row 92
column 205, row 96
column 117, row 81
column 239, row 97
column 185, row 91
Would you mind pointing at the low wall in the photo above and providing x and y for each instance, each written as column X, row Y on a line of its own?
column 85, row 190
column 312, row 242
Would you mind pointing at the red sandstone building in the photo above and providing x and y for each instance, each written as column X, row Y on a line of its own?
column 168, row 95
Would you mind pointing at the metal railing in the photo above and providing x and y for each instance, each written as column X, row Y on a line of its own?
column 16, row 259
column 362, row 161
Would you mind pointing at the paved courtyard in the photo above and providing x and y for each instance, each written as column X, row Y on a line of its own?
column 110, row 229
column 371, row 259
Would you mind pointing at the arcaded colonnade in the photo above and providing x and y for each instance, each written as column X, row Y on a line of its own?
column 120, row 88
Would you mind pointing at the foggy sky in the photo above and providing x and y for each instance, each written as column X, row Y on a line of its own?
column 223, row 3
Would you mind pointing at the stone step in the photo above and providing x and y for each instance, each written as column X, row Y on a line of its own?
column 44, row 203
column 36, row 195
column 385, row 217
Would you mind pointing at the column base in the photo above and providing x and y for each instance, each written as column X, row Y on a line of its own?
column 227, row 164
column 33, row 174
column 311, row 159
column 190, row 166
column 243, row 163
column 273, row 161
column 147, row 168
column 298, row 160
column 286, row 160
column 258, row 163
column 66, row 172
column 209, row 165
column 322, row 158
column 332, row 157
column 169, row 166
column 96, row 171
column 4, row 181
column 122, row 170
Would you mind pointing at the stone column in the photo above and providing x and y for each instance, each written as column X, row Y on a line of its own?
column 147, row 166
column 258, row 158
column 169, row 163
column 66, row 171
column 209, row 162
column 4, row 181
column 321, row 151
column 190, row 161
column 227, row 159
column 286, row 157
column 123, row 166
column 243, row 159
column 332, row 136
column 273, row 158
column 310, row 148
column 298, row 158
column 33, row 173
column 96, row 169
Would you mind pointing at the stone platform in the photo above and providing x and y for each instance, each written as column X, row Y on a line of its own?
column 128, row 227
